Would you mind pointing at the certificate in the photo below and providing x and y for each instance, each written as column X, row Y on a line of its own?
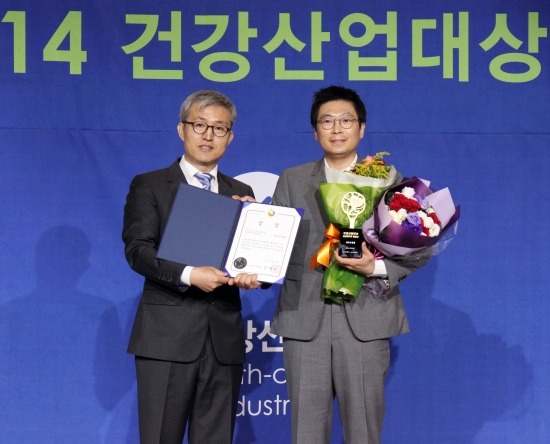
column 208, row 229
column 263, row 241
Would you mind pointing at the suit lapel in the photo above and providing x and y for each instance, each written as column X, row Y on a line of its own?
column 225, row 187
column 174, row 177
column 318, row 176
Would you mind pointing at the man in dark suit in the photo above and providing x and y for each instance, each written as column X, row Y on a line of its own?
column 188, row 335
column 330, row 349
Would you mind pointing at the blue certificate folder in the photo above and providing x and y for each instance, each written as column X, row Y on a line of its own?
column 200, row 228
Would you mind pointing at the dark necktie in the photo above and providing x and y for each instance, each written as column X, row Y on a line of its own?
column 204, row 179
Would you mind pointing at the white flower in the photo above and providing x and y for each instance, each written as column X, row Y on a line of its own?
column 397, row 216
column 428, row 222
column 408, row 192
column 434, row 230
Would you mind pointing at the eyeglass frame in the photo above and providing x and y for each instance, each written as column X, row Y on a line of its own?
column 227, row 130
column 320, row 122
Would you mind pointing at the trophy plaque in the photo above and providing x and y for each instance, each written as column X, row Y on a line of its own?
column 353, row 205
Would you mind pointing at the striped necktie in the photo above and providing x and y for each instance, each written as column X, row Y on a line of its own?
column 204, row 179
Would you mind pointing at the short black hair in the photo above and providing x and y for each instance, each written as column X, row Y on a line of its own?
column 335, row 92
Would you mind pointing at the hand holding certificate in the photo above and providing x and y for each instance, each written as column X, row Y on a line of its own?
column 206, row 228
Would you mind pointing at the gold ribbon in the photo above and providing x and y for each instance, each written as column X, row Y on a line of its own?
column 322, row 257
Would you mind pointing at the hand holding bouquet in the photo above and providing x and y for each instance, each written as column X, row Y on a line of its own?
column 349, row 199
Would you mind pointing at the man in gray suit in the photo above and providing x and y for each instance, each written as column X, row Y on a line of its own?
column 330, row 349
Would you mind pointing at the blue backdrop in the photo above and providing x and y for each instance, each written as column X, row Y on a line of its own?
column 457, row 92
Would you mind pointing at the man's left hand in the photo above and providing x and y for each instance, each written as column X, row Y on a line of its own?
column 363, row 265
column 244, row 198
column 245, row 281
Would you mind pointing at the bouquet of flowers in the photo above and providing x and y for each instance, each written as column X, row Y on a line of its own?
column 349, row 200
column 412, row 216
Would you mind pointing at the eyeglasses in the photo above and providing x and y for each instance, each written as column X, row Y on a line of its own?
column 201, row 128
column 345, row 122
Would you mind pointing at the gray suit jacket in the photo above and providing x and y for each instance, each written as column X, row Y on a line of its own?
column 300, row 305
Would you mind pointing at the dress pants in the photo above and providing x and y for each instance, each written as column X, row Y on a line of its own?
column 202, row 394
column 336, row 363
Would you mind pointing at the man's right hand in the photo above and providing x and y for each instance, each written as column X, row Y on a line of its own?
column 208, row 278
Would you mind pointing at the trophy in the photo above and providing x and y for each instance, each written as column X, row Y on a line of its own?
column 353, row 205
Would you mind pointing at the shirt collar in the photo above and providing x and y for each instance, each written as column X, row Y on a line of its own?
column 189, row 171
column 348, row 168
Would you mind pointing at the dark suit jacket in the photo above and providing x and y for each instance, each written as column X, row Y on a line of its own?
column 172, row 320
column 300, row 307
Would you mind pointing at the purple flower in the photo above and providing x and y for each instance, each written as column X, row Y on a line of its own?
column 413, row 218
column 416, row 229
column 424, row 204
